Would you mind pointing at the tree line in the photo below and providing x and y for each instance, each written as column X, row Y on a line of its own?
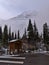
column 33, row 34
column 46, row 35
column 6, row 35
column 30, row 33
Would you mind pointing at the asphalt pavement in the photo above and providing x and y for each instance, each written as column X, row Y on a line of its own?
column 31, row 59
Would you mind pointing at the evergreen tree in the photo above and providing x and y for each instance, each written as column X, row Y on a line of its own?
column 18, row 35
column 30, row 31
column 30, row 27
column 5, row 36
column 12, row 35
column 36, row 34
column 15, row 36
column 45, row 33
column 0, row 33
column 24, row 35
column 35, row 28
column 0, row 36
column 9, row 34
column 41, row 37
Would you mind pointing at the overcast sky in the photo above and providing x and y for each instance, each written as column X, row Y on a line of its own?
column 11, row 8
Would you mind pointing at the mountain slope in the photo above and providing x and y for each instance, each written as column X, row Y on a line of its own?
column 21, row 21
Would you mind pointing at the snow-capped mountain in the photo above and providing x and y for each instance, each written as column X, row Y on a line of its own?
column 27, row 15
column 20, row 22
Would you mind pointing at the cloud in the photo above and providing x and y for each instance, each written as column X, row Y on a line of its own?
column 11, row 8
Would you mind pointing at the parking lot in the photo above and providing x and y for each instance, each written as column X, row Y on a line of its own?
column 26, row 59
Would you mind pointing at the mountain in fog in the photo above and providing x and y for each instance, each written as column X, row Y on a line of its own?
column 20, row 22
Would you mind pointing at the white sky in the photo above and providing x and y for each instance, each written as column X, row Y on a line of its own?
column 11, row 8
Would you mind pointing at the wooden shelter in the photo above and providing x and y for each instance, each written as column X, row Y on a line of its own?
column 15, row 45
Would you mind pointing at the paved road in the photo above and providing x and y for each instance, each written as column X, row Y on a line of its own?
column 8, row 64
column 37, row 59
column 32, row 59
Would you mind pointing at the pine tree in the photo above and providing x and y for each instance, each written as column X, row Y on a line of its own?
column 5, row 36
column 9, row 34
column 30, row 27
column 36, row 34
column 18, row 35
column 12, row 35
column 24, row 35
column 0, row 33
column 41, row 37
column 45, row 33
column 0, row 36
column 35, row 28
column 30, row 31
column 15, row 36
